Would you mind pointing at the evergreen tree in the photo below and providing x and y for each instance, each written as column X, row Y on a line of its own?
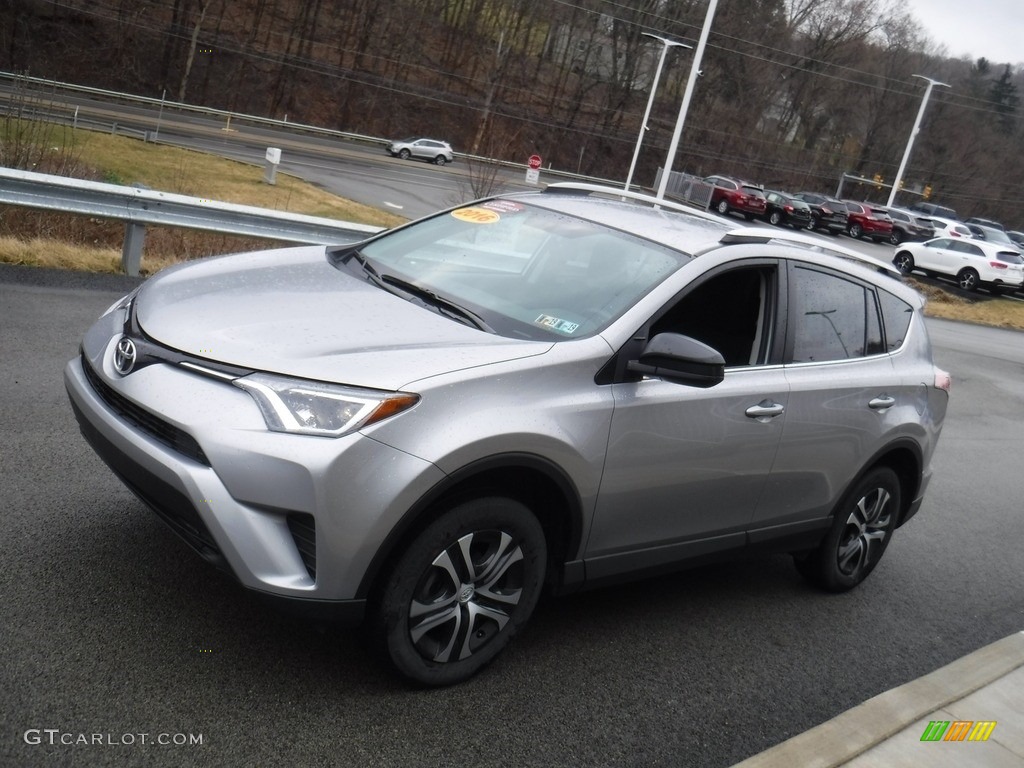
column 1003, row 97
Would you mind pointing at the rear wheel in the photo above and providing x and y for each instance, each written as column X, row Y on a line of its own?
column 775, row 218
column 968, row 279
column 440, row 160
column 462, row 590
column 860, row 532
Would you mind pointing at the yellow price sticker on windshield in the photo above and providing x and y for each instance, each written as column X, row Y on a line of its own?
column 476, row 215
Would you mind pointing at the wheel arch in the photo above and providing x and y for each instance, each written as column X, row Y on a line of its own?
column 905, row 459
column 529, row 479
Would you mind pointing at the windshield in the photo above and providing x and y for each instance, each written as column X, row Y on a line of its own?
column 524, row 271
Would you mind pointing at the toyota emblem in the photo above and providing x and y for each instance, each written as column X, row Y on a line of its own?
column 124, row 356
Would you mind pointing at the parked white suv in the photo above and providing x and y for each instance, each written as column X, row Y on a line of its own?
column 972, row 263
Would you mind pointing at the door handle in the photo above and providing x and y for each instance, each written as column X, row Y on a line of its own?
column 765, row 411
column 881, row 402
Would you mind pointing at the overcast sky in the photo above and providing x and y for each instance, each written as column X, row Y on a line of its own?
column 990, row 28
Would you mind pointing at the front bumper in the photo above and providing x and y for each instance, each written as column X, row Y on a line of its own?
column 290, row 516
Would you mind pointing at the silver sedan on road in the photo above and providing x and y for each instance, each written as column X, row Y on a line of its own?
column 542, row 391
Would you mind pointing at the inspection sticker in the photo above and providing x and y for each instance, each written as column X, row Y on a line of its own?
column 556, row 324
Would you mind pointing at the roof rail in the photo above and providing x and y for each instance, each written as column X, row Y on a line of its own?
column 568, row 187
column 765, row 235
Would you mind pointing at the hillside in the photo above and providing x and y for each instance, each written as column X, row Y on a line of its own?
column 793, row 92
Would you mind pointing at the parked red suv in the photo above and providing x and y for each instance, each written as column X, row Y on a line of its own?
column 734, row 195
column 864, row 221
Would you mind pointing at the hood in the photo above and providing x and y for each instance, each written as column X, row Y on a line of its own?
column 290, row 311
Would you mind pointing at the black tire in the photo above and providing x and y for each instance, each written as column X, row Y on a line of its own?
column 862, row 526
column 904, row 262
column 815, row 222
column 775, row 218
column 968, row 279
column 439, row 160
column 439, row 632
column 723, row 207
column 895, row 237
column 405, row 154
column 856, row 231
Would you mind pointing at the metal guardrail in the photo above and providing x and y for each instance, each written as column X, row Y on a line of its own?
column 142, row 207
column 48, row 88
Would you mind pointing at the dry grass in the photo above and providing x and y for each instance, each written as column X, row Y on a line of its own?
column 43, row 238
column 999, row 313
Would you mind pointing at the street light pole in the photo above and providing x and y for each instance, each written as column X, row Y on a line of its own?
column 690, row 84
column 913, row 135
column 666, row 44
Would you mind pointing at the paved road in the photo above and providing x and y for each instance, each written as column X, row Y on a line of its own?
column 109, row 626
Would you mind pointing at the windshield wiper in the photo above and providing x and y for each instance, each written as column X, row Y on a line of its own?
column 440, row 303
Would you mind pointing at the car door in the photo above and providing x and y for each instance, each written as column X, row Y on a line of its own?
column 686, row 466
column 935, row 255
column 844, row 397
column 965, row 254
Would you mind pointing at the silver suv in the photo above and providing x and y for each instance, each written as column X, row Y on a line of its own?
column 431, row 150
column 539, row 391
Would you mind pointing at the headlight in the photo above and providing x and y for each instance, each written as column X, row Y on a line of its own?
column 315, row 408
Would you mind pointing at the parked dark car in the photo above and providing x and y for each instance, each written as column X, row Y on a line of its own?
column 1017, row 237
column 864, row 221
column 827, row 213
column 932, row 209
column 985, row 223
column 908, row 226
column 995, row 235
column 783, row 209
column 731, row 195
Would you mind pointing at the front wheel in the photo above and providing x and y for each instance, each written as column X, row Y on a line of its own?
column 968, row 279
column 723, row 207
column 405, row 154
column 904, row 262
column 856, row 231
column 461, row 590
column 860, row 532
column 895, row 237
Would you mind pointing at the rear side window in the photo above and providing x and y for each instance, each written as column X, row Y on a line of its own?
column 896, row 315
column 831, row 318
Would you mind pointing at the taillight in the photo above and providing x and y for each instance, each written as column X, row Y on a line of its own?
column 997, row 264
column 787, row 208
column 943, row 380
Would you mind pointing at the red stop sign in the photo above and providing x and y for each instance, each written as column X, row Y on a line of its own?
column 534, row 162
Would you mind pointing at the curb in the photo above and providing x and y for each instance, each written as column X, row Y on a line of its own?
column 857, row 730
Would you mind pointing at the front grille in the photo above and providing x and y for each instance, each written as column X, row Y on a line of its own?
column 174, row 438
column 303, row 529
column 170, row 504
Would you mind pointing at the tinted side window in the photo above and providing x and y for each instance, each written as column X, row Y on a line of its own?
column 828, row 316
column 729, row 312
column 896, row 315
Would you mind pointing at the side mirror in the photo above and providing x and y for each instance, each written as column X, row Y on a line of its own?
column 680, row 359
